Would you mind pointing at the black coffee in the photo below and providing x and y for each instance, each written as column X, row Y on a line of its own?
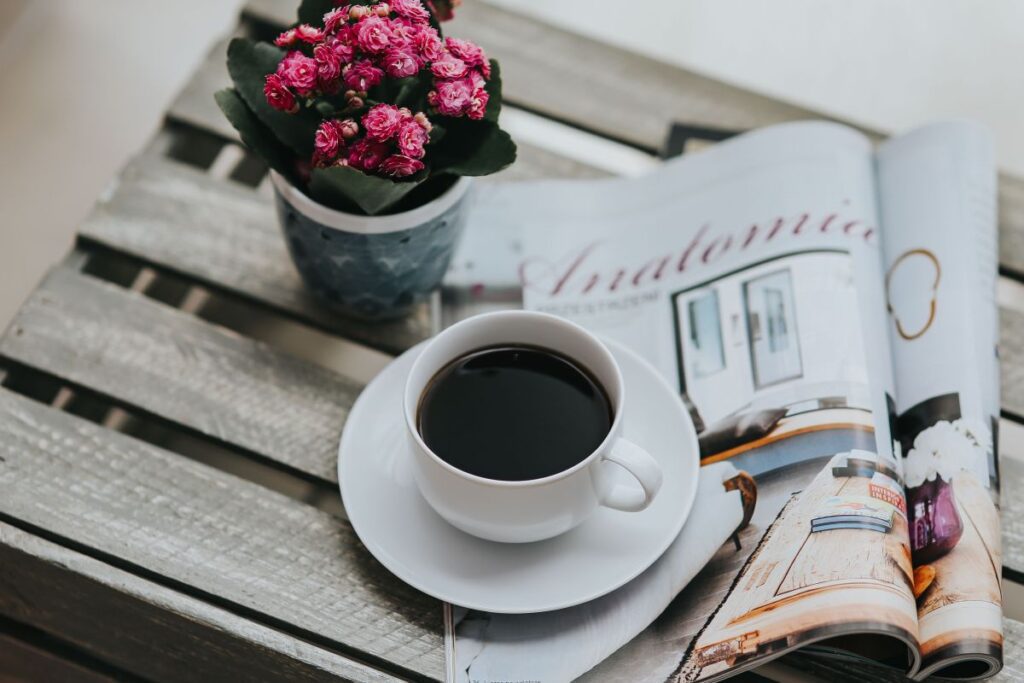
column 513, row 413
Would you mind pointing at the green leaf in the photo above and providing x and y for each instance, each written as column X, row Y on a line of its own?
column 343, row 186
column 255, row 135
column 313, row 11
column 412, row 92
column 249, row 63
column 493, row 88
column 475, row 148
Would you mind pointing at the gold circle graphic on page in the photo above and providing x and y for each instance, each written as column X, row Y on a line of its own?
column 933, row 302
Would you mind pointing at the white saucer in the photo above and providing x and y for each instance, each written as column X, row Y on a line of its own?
column 402, row 531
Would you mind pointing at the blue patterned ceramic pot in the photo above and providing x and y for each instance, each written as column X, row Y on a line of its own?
column 371, row 267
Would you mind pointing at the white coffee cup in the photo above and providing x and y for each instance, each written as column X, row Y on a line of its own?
column 521, row 511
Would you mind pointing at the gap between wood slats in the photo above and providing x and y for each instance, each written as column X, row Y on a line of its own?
column 46, row 657
column 349, row 358
column 225, row 236
column 128, row 419
column 170, row 363
column 160, row 428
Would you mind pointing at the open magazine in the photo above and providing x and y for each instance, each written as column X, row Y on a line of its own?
column 827, row 312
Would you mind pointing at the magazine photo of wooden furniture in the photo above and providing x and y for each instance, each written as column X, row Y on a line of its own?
column 802, row 574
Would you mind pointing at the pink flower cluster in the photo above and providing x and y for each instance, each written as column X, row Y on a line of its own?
column 392, row 142
column 360, row 45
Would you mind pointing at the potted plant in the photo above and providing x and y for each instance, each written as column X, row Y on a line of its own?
column 373, row 124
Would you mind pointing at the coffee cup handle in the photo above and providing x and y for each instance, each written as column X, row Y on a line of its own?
column 644, row 469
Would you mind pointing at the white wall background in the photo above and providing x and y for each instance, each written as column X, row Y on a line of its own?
column 83, row 84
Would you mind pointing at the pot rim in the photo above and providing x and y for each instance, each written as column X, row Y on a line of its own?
column 368, row 225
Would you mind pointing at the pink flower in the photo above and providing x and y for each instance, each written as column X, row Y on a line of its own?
column 411, row 9
column 328, row 66
column 400, row 63
column 327, row 142
column 278, row 95
column 478, row 105
column 344, row 51
column 412, row 139
column 298, row 71
column 449, row 67
column 428, row 43
column 308, row 34
column 467, row 51
column 403, row 34
column 373, row 34
column 451, row 97
column 335, row 19
column 401, row 166
column 382, row 122
column 286, row 39
column 366, row 155
column 476, row 79
column 362, row 75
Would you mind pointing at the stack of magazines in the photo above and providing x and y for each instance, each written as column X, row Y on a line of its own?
column 826, row 311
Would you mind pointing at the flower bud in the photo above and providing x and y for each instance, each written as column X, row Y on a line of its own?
column 355, row 103
column 357, row 12
column 349, row 129
column 382, row 9
column 349, row 94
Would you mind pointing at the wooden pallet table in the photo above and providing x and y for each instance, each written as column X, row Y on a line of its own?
column 172, row 398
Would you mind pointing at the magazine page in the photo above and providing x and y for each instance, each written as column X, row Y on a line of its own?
column 751, row 276
column 937, row 189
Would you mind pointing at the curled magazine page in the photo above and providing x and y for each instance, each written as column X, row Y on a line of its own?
column 937, row 195
column 751, row 276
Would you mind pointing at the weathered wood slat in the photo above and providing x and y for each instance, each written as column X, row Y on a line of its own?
column 195, row 104
column 1013, row 652
column 228, row 541
column 591, row 74
column 1011, row 355
column 183, row 369
column 1011, row 470
column 1011, row 223
column 225, row 235
column 148, row 629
